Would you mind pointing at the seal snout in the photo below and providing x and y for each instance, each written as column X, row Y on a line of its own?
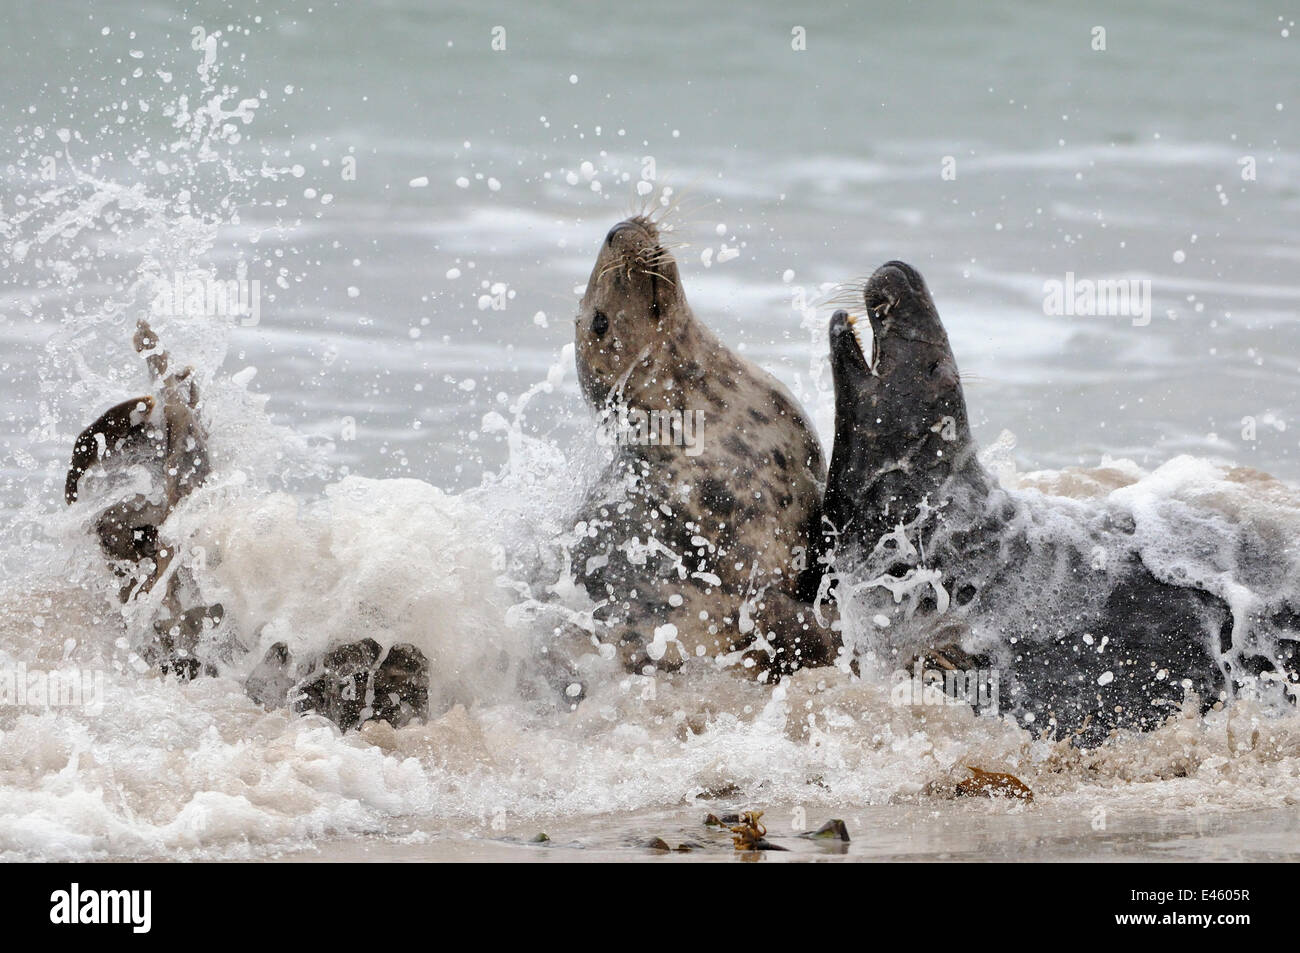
column 898, row 302
column 846, row 342
column 614, row 232
column 843, row 330
column 892, row 282
column 631, row 247
column 631, row 234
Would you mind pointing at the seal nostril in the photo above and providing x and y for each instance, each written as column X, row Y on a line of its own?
column 613, row 232
column 890, row 283
column 599, row 323
column 898, row 269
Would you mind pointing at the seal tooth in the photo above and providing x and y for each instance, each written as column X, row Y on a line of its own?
column 857, row 335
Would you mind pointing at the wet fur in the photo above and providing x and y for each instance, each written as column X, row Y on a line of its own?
column 164, row 433
column 752, row 494
column 906, row 494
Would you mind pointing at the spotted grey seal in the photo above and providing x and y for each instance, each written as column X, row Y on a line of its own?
column 700, row 539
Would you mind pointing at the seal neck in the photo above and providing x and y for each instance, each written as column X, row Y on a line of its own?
column 902, row 435
column 666, row 372
column 878, row 481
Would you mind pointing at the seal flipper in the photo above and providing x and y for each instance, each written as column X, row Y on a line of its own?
column 176, row 643
column 186, row 438
column 115, row 429
column 791, row 634
column 350, row 684
column 164, row 436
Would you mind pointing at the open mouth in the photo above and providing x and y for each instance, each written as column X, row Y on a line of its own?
column 850, row 323
column 857, row 335
column 874, row 357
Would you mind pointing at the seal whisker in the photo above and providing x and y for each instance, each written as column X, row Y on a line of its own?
column 840, row 301
column 845, row 293
column 663, row 208
column 647, row 271
column 656, row 262
column 847, row 288
column 666, row 249
column 674, row 207
column 641, row 206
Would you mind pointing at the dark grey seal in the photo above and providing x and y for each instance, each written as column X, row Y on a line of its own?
column 938, row 561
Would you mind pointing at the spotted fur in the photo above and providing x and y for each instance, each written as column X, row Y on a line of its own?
column 715, row 551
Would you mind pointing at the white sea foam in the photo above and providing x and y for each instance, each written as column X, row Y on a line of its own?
column 168, row 768
column 298, row 551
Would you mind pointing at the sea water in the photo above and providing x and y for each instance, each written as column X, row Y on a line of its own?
column 404, row 201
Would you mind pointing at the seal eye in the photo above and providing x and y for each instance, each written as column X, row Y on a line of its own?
column 599, row 323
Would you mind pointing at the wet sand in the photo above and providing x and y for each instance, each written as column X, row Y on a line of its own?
column 971, row 831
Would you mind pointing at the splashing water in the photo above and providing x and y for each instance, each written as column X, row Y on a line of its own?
column 300, row 552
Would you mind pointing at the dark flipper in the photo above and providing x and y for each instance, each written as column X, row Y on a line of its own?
column 400, row 687
column 350, row 684
column 338, row 687
column 117, row 428
column 176, row 644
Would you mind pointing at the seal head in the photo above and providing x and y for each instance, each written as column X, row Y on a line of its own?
column 902, row 433
column 631, row 311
